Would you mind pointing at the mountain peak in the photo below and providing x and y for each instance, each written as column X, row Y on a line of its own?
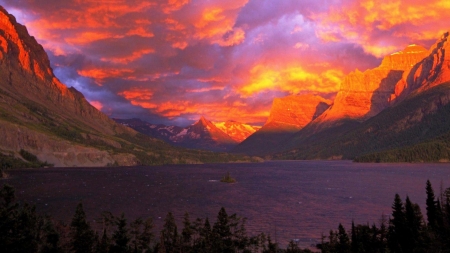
column 202, row 121
column 297, row 110
column 431, row 71
column 404, row 59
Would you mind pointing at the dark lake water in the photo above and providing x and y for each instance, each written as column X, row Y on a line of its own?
column 288, row 199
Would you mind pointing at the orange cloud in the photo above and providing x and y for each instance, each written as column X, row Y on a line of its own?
column 99, row 74
column 130, row 58
column 376, row 24
column 216, row 23
column 97, row 104
column 88, row 37
column 293, row 79
column 234, row 37
column 174, row 5
column 140, row 31
column 216, row 111
column 141, row 94
column 139, row 97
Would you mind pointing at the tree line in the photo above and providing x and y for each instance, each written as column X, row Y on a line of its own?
column 23, row 230
column 406, row 231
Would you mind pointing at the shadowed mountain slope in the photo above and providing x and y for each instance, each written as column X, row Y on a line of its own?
column 41, row 115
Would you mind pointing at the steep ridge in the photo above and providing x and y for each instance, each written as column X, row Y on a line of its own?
column 287, row 116
column 42, row 116
column 431, row 71
column 421, row 118
column 417, row 115
column 364, row 94
column 236, row 130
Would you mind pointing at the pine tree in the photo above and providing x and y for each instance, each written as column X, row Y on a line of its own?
column 169, row 234
column 121, row 237
column 396, row 238
column 50, row 240
column 82, row 236
column 222, row 233
column 146, row 237
column 104, row 244
column 414, row 226
column 431, row 207
column 187, row 233
column 344, row 241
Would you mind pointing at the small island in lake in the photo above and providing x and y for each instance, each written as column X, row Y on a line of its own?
column 228, row 179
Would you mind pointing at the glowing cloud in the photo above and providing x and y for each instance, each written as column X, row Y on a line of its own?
column 174, row 60
column 381, row 27
column 291, row 79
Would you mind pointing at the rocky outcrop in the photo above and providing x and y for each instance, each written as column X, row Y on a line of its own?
column 364, row 94
column 296, row 110
column 287, row 116
column 431, row 71
column 236, row 130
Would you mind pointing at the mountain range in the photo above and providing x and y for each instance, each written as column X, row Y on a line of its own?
column 41, row 116
column 396, row 112
column 203, row 134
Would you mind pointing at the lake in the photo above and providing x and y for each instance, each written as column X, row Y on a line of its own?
column 287, row 199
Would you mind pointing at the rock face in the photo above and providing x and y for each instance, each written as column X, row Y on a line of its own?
column 29, row 88
column 287, row 116
column 364, row 94
column 236, row 130
column 296, row 110
column 420, row 86
column 431, row 71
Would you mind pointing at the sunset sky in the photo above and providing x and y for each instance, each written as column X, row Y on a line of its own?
column 172, row 61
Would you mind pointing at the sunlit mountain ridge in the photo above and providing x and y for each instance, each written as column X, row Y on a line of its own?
column 403, row 110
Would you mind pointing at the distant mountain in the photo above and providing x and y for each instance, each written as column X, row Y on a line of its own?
column 415, row 127
column 236, row 130
column 203, row 134
column 158, row 131
column 287, row 116
column 42, row 116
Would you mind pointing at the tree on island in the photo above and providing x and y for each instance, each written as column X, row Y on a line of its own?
column 228, row 179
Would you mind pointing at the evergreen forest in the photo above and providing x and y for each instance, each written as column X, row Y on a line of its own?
column 23, row 230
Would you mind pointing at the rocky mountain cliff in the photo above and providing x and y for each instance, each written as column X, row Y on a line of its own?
column 365, row 94
column 236, row 130
column 287, row 116
column 431, row 71
column 420, row 119
column 42, row 116
column 413, row 126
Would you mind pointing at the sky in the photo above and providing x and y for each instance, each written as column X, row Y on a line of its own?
column 173, row 61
